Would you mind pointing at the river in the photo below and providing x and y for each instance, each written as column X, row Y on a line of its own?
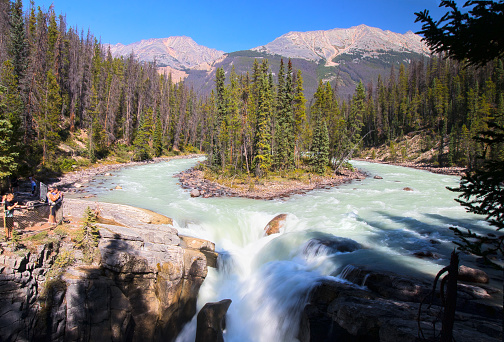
column 269, row 277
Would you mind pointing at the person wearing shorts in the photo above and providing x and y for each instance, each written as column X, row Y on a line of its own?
column 9, row 205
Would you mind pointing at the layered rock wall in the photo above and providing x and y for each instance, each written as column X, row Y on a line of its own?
column 144, row 288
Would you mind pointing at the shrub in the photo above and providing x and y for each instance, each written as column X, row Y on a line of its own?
column 88, row 237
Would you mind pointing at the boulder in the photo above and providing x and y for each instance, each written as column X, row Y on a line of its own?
column 426, row 254
column 472, row 275
column 330, row 244
column 273, row 226
column 195, row 193
column 407, row 189
column 378, row 177
column 211, row 321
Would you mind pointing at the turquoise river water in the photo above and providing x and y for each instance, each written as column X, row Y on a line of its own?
column 268, row 277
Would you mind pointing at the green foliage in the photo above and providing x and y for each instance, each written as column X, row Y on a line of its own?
column 65, row 164
column 474, row 36
column 15, row 242
column 471, row 36
column 7, row 157
column 38, row 237
column 158, row 136
column 490, row 246
column 64, row 259
column 88, row 236
column 320, row 148
column 18, row 47
column 392, row 151
column 262, row 147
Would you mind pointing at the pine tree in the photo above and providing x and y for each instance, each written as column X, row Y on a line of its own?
column 262, row 146
column 8, row 156
column 219, row 123
column 158, row 135
column 48, row 119
column 357, row 113
column 18, row 42
column 143, row 136
column 320, row 147
column 299, row 113
column 284, row 132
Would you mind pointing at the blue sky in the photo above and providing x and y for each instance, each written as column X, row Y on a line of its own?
column 233, row 25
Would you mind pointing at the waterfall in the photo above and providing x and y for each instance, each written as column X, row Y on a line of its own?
column 268, row 278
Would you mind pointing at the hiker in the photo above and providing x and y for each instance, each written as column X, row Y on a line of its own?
column 54, row 198
column 33, row 183
column 9, row 205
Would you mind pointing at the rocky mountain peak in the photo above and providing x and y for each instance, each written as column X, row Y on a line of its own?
column 179, row 52
column 327, row 45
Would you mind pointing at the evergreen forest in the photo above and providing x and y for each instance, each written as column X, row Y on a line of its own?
column 65, row 101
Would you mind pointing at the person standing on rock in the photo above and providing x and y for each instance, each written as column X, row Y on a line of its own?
column 9, row 205
column 54, row 198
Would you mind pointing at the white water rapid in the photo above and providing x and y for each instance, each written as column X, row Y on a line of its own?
column 268, row 278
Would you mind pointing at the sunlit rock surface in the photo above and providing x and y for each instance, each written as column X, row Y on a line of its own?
column 144, row 288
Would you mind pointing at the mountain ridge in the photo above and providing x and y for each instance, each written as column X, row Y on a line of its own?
column 179, row 52
column 342, row 56
column 328, row 44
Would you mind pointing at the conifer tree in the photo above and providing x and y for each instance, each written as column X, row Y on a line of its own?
column 49, row 117
column 219, row 123
column 284, row 132
column 262, row 146
column 18, row 42
column 357, row 113
column 143, row 136
column 300, row 131
column 8, row 155
column 320, row 147
column 158, row 135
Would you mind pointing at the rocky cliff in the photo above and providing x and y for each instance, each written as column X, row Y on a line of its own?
column 390, row 308
column 144, row 287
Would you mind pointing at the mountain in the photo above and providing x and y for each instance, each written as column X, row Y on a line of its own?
column 361, row 41
column 340, row 56
column 179, row 53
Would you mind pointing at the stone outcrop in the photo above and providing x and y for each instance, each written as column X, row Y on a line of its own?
column 388, row 307
column 144, row 288
column 211, row 321
column 273, row 226
column 21, row 280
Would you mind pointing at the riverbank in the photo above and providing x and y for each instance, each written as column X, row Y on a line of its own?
column 450, row 171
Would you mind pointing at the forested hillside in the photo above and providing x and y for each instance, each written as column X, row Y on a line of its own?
column 65, row 101
column 61, row 91
column 446, row 102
